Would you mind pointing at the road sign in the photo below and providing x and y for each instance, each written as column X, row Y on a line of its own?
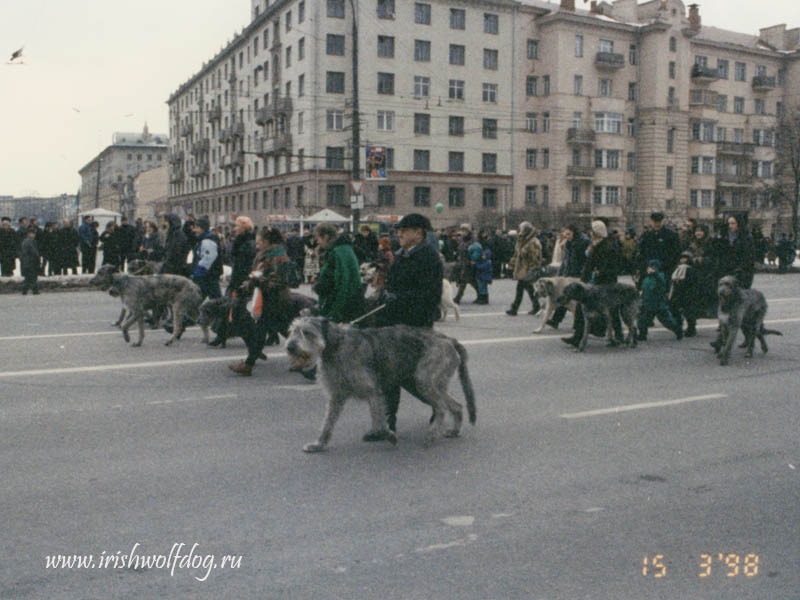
column 356, row 186
column 357, row 201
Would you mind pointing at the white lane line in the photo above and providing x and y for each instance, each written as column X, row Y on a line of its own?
column 59, row 335
column 220, row 397
column 219, row 359
column 644, row 405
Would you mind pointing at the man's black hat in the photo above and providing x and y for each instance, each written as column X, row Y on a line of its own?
column 414, row 220
column 657, row 216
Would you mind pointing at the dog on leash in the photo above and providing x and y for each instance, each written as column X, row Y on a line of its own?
column 740, row 309
column 605, row 300
column 140, row 266
column 447, row 300
column 140, row 293
column 550, row 289
column 368, row 363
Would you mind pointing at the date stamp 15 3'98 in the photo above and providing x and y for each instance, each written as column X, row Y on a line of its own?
column 720, row 564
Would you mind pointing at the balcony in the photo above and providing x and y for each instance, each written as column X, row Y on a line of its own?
column 176, row 157
column 730, row 180
column 274, row 145
column 176, row 175
column 237, row 159
column 701, row 74
column 279, row 105
column 187, row 130
column 735, row 148
column 200, row 146
column 609, row 211
column 702, row 98
column 703, row 213
column 580, row 136
column 762, row 83
column 215, row 114
column 200, row 170
column 574, row 172
column 237, row 129
column 609, row 60
column 225, row 135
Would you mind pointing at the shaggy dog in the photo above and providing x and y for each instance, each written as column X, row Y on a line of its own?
column 447, row 300
column 551, row 288
column 740, row 308
column 367, row 363
column 604, row 300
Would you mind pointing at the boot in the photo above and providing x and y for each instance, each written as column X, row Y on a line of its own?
column 241, row 368
column 642, row 335
column 690, row 331
column 217, row 341
column 512, row 312
column 572, row 340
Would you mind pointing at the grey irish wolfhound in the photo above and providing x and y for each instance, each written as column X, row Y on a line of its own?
column 740, row 308
column 367, row 363
column 139, row 294
column 605, row 300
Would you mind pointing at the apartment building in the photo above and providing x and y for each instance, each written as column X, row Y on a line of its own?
column 616, row 111
column 107, row 179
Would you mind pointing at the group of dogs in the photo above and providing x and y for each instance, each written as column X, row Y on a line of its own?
column 375, row 363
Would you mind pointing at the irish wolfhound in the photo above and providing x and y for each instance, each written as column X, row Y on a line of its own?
column 153, row 291
column 605, row 300
column 367, row 363
column 740, row 308
column 550, row 289
column 139, row 266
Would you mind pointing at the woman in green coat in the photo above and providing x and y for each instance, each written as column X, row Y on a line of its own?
column 339, row 283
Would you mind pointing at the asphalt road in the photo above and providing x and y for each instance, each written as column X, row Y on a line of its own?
column 553, row 494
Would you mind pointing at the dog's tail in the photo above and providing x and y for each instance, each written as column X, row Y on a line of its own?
column 765, row 331
column 466, row 383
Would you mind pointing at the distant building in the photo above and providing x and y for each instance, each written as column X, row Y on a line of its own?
column 51, row 208
column 150, row 193
column 117, row 166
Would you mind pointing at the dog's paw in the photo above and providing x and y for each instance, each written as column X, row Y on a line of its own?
column 136, row 344
column 451, row 433
column 390, row 435
column 315, row 447
column 125, row 336
column 168, row 343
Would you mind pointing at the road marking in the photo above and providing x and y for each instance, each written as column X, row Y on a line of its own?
column 642, row 406
column 219, row 359
column 59, row 335
column 220, row 397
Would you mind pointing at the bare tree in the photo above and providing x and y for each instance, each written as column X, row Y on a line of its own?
column 787, row 161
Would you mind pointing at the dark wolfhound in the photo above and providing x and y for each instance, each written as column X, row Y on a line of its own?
column 740, row 308
column 367, row 363
column 139, row 294
column 603, row 301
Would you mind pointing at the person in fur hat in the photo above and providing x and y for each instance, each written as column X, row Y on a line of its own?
column 684, row 293
column 527, row 256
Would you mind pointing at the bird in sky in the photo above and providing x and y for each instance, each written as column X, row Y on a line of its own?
column 75, row 109
column 17, row 54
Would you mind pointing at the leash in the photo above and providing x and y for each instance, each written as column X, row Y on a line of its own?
column 364, row 316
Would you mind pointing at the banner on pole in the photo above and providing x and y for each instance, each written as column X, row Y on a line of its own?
column 375, row 163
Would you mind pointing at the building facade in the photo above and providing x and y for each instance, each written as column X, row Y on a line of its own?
column 107, row 180
column 50, row 208
column 485, row 104
column 150, row 192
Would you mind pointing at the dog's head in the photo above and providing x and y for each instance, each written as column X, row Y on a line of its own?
column 104, row 278
column 543, row 287
column 574, row 291
column 727, row 288
column 209, row 310
column 367, row 272
column 307, row 339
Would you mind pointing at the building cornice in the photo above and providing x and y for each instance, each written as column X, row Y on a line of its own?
column 737, row 48
column 586, row 20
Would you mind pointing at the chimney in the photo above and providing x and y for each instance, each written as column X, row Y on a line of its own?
column 694, row 17
column 568, row 5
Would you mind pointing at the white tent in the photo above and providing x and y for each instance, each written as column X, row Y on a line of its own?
column 102, row 216
column 327, row 215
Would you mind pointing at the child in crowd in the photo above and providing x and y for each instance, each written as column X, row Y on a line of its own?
column 483, row 273
column 684, row 293
column 654, row 302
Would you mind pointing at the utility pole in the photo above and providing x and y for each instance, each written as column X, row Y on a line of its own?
column 356, row 141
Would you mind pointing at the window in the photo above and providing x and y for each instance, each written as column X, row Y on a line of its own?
column 740, row 73
column 577, row 117
column 301, row 16
column 334, row 83
column 385, row 46
column 545, row 158
column 530, row 158
column 301, row 49
column 288, row 20
column 722, row 103
column 301, row 86
column 532, row 85
column 422, row 86
column 334, row 157
column 385, row 120
column 761, row 71
column 701, row 61
column 533, row 49
column 531, row 122
column 671, row 140
column 576, row 194
column 578, row 45
column 673, row 44
column 456, row 197
column 490, row 59
column 386, row 9
column 606, row 159
column 738, row 105
column 489, row 197
column 489, row 163
column 669, row 178
column 456, row 126
column 545, row 122
column 608, row 122
column 334, row 45
column 604, row 87
column 385, row 195
column 335, row 195
column 335, row 120
column 738, row 135
column 490, row 92
column 759, row 107
column 422, row 196
column 456, row 89
column 389, row 158
column 422, row 160
column 546, row 85
column 336, row 9
column 720, row 134
column 632, row 127
column 606, row 46
column 530, row 195
column 577, row 85
column 722, row 68
column 455, row 162
column 422, row 13
column 422, row 50
column 632, row 91
column 672, row 69
column 631, row 161
column 545, row 195
column 458, row 18
column 693, row 198
column 422, row 124
column 490, row 129
column 490, row 23
column 386, row 83
column 632, row 54
column 456, row 54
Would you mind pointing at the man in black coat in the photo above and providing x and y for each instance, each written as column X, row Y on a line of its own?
column 8, row 248
column 736, row 253
column 296, row 249
column 660, row 243
column 176, row 248
column 128, row 248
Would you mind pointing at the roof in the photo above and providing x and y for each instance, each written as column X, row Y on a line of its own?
column 715, row 34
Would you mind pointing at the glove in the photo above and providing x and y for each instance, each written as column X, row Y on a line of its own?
column 388, row 297
column 199, row 272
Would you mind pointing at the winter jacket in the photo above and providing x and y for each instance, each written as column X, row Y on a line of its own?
column 207, row 257
column 737, row 258
column 664, row 245
column 654, row 292
column 30, row 261
column 339, row 283
column 574, row 256
column 415, row 282
column 243, row 252
column 603, row 263
column 176, row 249
column 483, row 268
column 8, row 244
column 527, row 255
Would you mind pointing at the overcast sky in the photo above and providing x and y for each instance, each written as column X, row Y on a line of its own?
column 93, row 67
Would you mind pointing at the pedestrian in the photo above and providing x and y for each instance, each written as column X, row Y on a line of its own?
column 207, row 265
column 703, row 262
column 110, row 245
column 383, row 262
column 339, row 283
column 296, row 249
column 48, row 248
column 176, row 248
column 151, row 247
column 85, row 239
column 68, row 243
column 311, row 261
column 30, row 262
column 465, row 274
column 661, row 243
column 365, row 244
column 684, row 293
column 785, row 251
column 527, row 257
column 8, row 247
column 654, row 302
column 736, row 253
column 483, row 274
column 128, row 246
